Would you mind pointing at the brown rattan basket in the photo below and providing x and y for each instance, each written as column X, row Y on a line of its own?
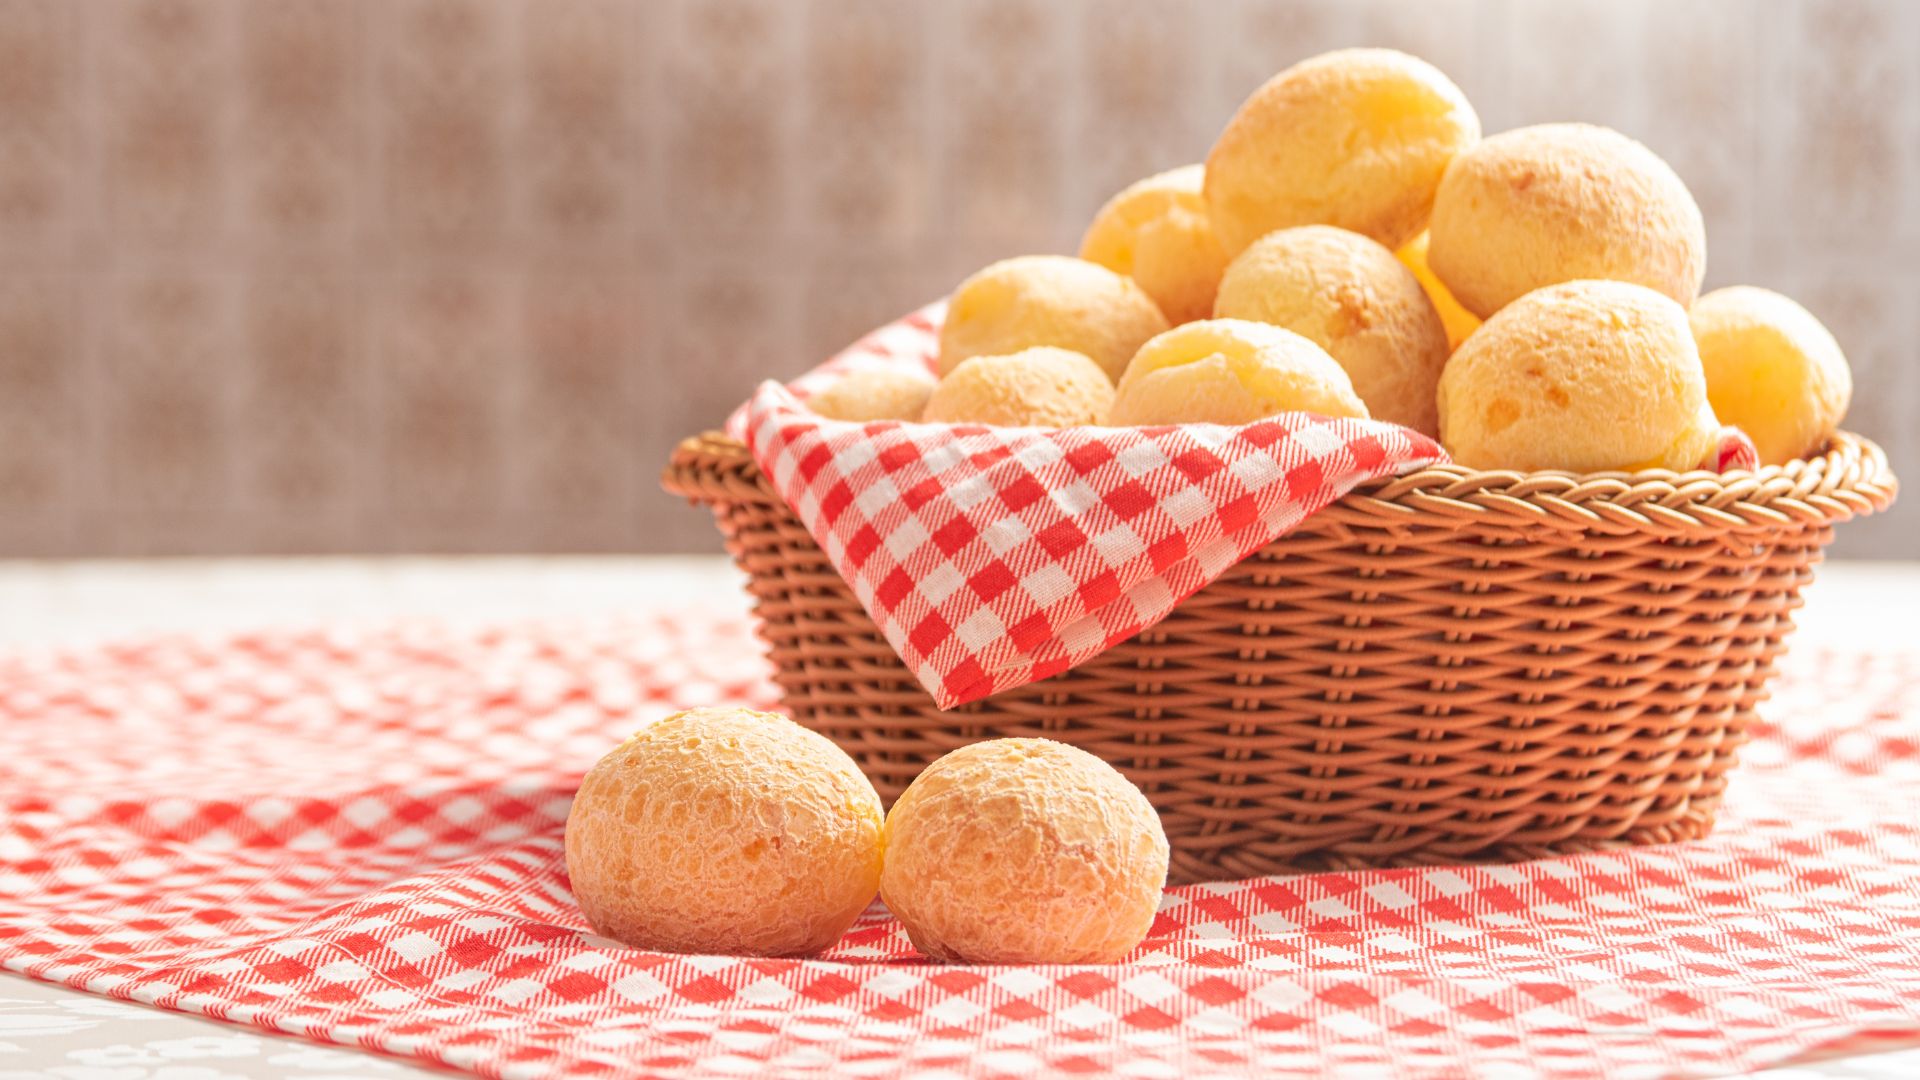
column 1443, row 666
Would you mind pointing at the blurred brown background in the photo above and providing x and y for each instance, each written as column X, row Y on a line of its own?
column 437, row 275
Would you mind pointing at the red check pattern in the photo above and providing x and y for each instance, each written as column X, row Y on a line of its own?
column 995, row 557
column 357, row 838
column 1733, row 451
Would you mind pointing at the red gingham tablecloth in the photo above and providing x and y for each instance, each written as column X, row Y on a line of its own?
column 357, row 838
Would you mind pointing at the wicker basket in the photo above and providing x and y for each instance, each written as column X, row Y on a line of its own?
column 1443, row 666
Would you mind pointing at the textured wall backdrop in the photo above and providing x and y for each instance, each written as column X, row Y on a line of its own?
column 359, row 275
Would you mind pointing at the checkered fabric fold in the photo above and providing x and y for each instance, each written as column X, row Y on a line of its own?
column 357, row 838
column 995, row 557
column 1733, row 450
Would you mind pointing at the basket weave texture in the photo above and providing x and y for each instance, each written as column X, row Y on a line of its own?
column 1452, row 664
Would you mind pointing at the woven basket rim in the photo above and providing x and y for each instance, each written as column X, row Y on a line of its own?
column 1851, row 477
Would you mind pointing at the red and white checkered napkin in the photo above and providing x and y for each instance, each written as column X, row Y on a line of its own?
column 357, row 838
column 995, row 557
column 1734, row 450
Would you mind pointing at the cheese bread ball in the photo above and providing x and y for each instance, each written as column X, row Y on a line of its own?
column 875, row 394
column 1585, row 376
column 1024, row 851
column 1773, row 370
column 1458, row 320
column 1229, row 371
column 1158, row 232
column 725, row 831
column 1560, row 202
column 1356, row 138
column 1048, row 300
column 1041, row 387
column 1351, row 297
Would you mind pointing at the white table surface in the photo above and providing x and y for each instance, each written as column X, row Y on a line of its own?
column 57, row 1034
